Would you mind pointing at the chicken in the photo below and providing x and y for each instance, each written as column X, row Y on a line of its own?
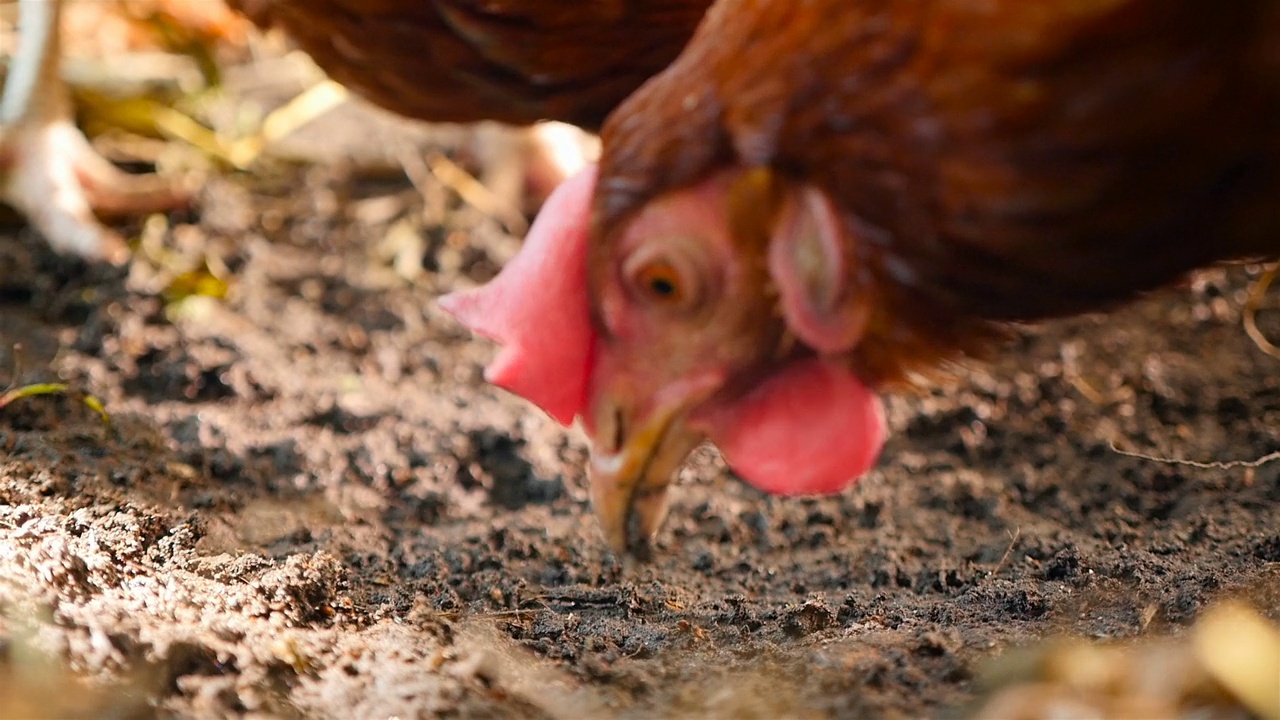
column 517, row 62
column 821, row 201
column 48, row 170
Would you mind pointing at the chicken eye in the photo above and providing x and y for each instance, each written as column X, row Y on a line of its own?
column 660, row 282
column 663, row 277
column 668, row 274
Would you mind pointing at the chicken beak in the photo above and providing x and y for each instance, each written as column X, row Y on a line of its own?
column 631, row 468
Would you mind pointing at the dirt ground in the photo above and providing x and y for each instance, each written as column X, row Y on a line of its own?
column 308, row 503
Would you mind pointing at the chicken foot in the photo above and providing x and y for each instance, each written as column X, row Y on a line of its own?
column 48, row 170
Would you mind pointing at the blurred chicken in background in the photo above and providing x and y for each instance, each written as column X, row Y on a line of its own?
column 121, row 49
column 48, row 170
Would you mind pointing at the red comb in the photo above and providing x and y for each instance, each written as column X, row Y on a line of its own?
column 536, row 308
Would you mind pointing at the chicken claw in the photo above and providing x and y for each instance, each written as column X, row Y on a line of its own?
column 48, row 170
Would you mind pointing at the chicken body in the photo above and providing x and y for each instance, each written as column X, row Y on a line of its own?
column 517, row 62
column 822, row 198
column 514, row 61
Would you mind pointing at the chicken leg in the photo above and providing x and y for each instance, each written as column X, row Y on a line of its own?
column 48, row 170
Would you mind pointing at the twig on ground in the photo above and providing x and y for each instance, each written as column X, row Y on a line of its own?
column 1210, row 465
column 472, row 191
column 1257, row 292
column 1013, row 540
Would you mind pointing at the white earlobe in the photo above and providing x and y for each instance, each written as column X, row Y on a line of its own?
column 809, row 261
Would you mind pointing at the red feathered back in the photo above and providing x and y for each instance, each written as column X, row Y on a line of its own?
column 516, row 61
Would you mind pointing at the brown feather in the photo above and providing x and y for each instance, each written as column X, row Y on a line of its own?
column 996, row 161
column 515, row 61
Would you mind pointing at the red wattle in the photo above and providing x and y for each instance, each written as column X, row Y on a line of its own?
column 813, row 428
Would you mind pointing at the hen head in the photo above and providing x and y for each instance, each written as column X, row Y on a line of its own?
column 712, row 314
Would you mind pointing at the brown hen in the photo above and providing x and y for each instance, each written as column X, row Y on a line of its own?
column 822, row 198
